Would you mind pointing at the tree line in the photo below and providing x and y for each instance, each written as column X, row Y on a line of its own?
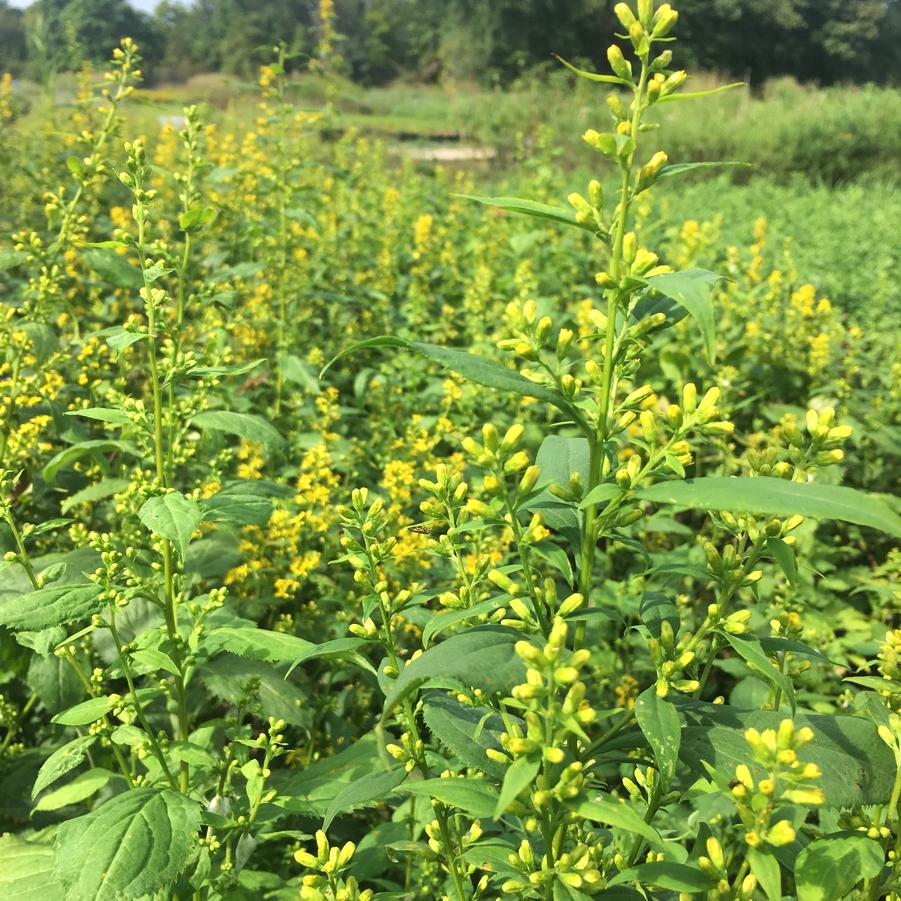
column 491, row 41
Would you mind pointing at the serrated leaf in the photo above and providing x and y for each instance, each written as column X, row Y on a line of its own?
column 61, row 761
column 172, row 516
column 234, row 505
column 467, row 732
column 52, row 606
column 226, row 676
column 133, row 845
column 777, row 497
column 248, row 426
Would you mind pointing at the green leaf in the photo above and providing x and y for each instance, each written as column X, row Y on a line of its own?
column 113, row 268
column 475, row 797
column 65, row 458
column 530, row 208
column 79, row 789
column 202, row 372
column 120, row 339
column 83, row 713
column 55, row 682
column 103, row 414
column 675, row 877
column 697, row 95
column 369, row 789
column 103, row 489
column 172, row 516
column 558, row 458
column 768, row 872
column 661, row 726
column 131, row 846
column 482, row 657
column 472, row 368
column 831, row 866
column 858, row 768
column 619, row 815
column 520, row 774
column 777, row 497
column 692, row 289
column 248, row 426
column 235, row 504
column 52, row 606
column 258, row 644
column 61, row 761
column 600, row 493
column 760, row 664
column 337, row 647
column 467, row 732
column 593, row 76
column 679, row 168
column 440, row 622
column 154, row 659
column 10, row 259
column 784, row 555
column 225, row 677
column 655, row 609
column 26, row 871
column 196, row 217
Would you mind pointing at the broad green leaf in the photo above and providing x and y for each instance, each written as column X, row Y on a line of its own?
column 784, row 555
column 530, row 208
column 229, row 505
column 478, row 658
column 65, row 458
column 299, row 372
column 133, row 845
column 754, row 655
column 81, row 714
column 113, row 267
column 52, row 606
column 777, row 497
column 655, row 609
column 26, row 871
column 369, row 789
column 471, row 795
column 592, row 76
column 196, row 217
column 79, row 789
column 103, row 414
column 467, row 732
column 54, row 681
column 692, row 289
column 248, row 426
column 100, row 491
column 857, row 766
column 9, row 259
column 619, row 815
column 172, row 516
column 520, row 774
column 661, row 726
column 472, row 368
column 558, row 458
column 61, row 761
column 226, row 676
column 155, row 659
column 831, row 866
column 120, row 338
column 675, row 877
column 259, row 644
column 768, row 872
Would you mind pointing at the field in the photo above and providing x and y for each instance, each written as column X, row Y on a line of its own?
column 523, row 528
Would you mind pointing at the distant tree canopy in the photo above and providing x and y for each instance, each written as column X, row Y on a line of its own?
column 486, row 40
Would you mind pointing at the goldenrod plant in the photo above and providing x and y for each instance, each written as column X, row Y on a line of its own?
column 561, row 599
